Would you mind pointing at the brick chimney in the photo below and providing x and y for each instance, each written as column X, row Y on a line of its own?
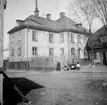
column 48, row 16
column 62, row 14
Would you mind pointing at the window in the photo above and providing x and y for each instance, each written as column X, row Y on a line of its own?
column 72, row 51
column 61, row 37
column 79, row 38
column 85, row 39
column 19, row 51
column 62, row 51
column 34, row 35
column 72, row 38
column 50, row 37
column 34, row 51
column 51, row 51
column 19, row 36
column 12, row 39
column 12, row 52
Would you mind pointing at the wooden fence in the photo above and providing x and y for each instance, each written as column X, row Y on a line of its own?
column 37, row 63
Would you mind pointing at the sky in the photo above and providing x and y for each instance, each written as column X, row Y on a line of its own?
column 21, row 9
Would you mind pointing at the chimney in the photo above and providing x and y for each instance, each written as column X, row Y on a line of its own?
column 48, row 16
column 36, row 9
column 62, row 14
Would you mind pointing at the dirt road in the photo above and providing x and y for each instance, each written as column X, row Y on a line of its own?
column 68, row 88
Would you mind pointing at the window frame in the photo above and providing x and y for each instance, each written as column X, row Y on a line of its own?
column 73, row 52
column 12, row 52
column 72, row 38
column 61, row 37
column 62, row 51
column 79, row 39
column 51, row 51
column 19, row 52
column 12, row 39
column 19, row 36
column 34, row 52
column 33, row 35
column 51, row 36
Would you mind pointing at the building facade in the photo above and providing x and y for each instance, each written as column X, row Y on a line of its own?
column 2, row 7
column 97, row 46
column 61, row 39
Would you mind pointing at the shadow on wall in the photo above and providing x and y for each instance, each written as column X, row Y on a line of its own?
column 11, row 96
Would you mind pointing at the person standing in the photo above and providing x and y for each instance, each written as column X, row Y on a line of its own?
column 58, row 68
column 78, row 66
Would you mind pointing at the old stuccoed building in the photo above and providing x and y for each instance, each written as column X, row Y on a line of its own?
column 36, row 36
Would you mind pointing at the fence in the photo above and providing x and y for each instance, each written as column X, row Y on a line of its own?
column 38, row 63
column 42, row 63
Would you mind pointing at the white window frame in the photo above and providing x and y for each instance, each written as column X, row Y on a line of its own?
column 12, row 52
column 61, row 37
column 34, row 35
column 61, row 51
column 51, row 51
column 19, row 51
column 73, row 52
column 79, row 38
column 12, row 39
column 34, row 51
column 19, row 36
column 51, row 37
column 72, row 38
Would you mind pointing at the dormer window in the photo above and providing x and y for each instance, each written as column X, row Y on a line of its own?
column 34, row 35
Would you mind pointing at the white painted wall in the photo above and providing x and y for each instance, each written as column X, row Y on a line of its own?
column 43, row 43
column 15, row 46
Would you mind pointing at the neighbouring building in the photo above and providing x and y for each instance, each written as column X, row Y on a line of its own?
column 36, row 36
column 97, row 46
column 2, row 7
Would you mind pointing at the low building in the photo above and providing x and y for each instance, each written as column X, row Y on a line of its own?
column 61, row 39
column 97, row 46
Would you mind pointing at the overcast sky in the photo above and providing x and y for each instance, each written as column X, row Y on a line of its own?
column 20, row 9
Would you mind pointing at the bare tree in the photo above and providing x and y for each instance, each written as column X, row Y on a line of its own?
column 83, row 11
column 101, row 10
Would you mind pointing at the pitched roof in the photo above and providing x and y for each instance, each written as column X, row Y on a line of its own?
column 93, row 41
column 61, row 24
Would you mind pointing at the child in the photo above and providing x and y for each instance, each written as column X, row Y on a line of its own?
column 78, row 66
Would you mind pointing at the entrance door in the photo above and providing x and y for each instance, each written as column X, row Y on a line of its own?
column 105, row 58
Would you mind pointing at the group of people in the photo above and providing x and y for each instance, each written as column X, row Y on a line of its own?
column 68, row 67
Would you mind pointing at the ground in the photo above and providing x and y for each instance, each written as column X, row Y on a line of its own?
column 85, row 87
